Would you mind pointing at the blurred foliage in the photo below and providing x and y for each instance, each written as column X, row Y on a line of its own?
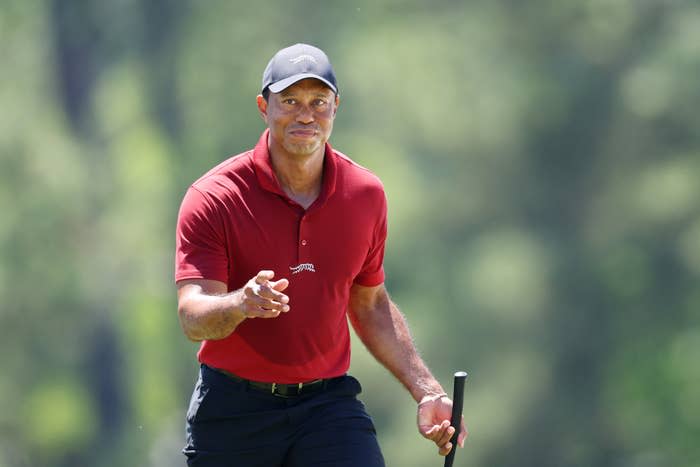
column 541, row 161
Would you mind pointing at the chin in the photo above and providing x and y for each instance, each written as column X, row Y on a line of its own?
column 303, row 149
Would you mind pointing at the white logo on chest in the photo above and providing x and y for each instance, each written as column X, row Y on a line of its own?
column 302, row 267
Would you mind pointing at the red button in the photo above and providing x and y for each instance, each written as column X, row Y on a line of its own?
column 303, row 242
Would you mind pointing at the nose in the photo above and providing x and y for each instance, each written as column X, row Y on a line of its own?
column 305, row 115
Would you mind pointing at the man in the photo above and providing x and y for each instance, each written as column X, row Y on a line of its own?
column 276, row 248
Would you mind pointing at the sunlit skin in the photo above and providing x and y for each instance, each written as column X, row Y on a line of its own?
column 300, row 119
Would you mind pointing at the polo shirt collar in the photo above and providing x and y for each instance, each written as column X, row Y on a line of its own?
column 268, row 180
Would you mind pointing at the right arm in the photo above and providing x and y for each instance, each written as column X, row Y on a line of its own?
column 208, row 311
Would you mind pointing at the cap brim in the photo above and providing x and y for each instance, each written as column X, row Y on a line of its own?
column 280, row 86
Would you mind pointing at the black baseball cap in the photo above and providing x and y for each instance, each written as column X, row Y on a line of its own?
column 295, row 63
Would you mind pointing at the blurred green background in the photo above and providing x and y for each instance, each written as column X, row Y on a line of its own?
column 542, row 163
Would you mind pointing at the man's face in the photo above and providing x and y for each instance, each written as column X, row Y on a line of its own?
column 300, row 117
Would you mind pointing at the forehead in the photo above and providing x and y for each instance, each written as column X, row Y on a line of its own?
column 307, row 85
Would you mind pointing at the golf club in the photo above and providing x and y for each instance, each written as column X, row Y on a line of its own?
column 456, row 421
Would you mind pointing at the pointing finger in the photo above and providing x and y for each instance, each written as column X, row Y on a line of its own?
column 280, row 285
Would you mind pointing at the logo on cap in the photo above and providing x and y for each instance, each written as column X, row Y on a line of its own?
column 301, row 58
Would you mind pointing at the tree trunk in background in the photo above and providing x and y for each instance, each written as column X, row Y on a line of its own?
column 162, row 36
column 76, row 44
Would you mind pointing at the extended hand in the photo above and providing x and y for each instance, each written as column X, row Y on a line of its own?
column 434, row 415
column 263, row 298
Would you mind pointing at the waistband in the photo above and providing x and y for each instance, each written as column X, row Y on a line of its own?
column 279, row 389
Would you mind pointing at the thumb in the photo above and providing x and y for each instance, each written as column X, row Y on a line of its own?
column 264, row 276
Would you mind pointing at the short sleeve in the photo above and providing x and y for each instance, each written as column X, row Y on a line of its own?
column 372, row 272
column 200, row 239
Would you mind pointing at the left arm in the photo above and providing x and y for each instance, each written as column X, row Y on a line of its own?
column 383, row 329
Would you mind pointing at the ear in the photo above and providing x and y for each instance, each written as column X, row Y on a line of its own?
column 262, row 107
column 337, row 103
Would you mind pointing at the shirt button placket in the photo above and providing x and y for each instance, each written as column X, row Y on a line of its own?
column 303, row 242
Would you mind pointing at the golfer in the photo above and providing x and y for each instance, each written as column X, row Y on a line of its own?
column 276, row 248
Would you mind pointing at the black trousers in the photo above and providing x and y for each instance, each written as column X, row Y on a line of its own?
column 231, row 425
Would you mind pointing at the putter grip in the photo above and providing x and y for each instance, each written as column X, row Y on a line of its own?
column 456, row 422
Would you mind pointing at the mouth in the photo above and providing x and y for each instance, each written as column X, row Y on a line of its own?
column 303, row 132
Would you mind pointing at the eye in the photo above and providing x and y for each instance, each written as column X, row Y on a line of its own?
column 289, row 101
column 319, row 102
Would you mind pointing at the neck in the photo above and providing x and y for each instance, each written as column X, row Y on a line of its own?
column 300, row 176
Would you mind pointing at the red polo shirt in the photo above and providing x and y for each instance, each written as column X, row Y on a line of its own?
column 236, row 221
